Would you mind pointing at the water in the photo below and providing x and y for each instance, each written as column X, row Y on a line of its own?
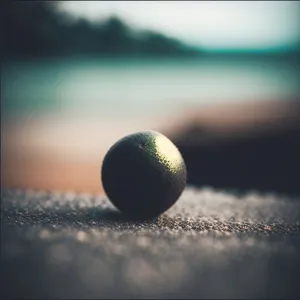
column 128, row 88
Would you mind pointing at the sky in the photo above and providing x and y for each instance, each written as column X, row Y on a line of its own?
column 213, row 25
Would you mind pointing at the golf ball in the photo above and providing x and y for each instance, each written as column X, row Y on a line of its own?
column 143, row 174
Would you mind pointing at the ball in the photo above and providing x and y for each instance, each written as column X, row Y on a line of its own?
column 143, row 174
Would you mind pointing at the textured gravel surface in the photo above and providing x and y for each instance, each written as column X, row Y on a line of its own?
column 210, row 244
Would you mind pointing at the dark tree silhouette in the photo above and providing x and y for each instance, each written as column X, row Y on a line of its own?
column 31, row 29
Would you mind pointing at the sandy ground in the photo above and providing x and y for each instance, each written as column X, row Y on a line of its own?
column 210, row 244
column 62, row 238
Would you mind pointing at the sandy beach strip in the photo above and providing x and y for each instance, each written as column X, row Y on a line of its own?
column 55, row 153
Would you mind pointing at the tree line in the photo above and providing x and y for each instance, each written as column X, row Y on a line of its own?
column 33, row 29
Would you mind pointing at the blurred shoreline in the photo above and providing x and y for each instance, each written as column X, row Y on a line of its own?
column 57, row 154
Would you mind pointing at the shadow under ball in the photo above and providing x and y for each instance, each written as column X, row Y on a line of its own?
column 143, row 174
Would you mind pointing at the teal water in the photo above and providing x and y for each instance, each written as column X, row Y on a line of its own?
column 127, row 88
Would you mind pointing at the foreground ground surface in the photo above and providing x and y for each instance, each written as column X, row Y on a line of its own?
column 211, row 244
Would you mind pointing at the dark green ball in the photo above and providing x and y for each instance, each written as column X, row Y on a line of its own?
column 143, row 174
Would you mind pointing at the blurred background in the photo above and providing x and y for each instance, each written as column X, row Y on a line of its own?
column 221, row 79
